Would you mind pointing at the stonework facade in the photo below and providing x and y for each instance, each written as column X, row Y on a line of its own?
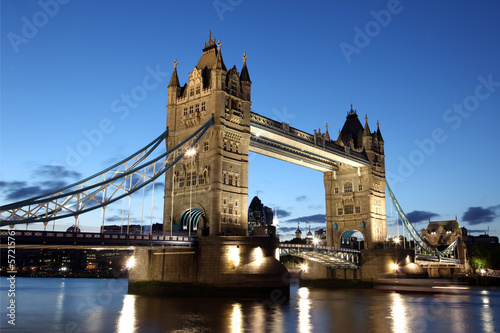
column 216, row 176
column 355, row 197
column 214, row 181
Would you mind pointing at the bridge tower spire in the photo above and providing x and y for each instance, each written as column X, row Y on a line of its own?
column 218, row 179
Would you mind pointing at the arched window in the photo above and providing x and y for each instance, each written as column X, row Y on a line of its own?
column 347, row 187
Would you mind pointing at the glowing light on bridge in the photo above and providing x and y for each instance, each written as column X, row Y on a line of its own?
column 130, row 262
column 234, row 255
column 259, row 255
column 304, row 267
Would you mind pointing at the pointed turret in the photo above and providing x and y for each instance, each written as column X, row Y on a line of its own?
column 174, row 80
column 379, row 135
column 366, row 130
column 327, row 135
column 218, row 61
column 244, row 76
column 174, row 88
column 352, row 131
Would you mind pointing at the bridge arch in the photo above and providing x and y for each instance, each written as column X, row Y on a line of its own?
column 347, row 239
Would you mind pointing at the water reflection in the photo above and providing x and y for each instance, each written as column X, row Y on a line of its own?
column 398, row 314
column 304, row 325
column 236, row 319
column 126, row 321
column 487, row 316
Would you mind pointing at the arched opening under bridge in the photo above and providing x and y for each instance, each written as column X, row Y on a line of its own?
column 352, row 239
column 196, row 214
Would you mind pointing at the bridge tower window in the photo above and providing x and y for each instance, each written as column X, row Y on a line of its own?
column 203, row 104
column 185, row 111
column 197, row 89
column 191, row 91
column 197, row 108
column 191, row 179
column 336, row 191
column 349, row 209
column 340, row 211
column 360, row 187
column 191, row 109
column 357, row 210
column 230, row 180
column 347, row 187
column 205, row 146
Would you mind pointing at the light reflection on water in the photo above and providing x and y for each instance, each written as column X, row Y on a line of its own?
column 304, row 324
column 93, row 305
column 126, row 321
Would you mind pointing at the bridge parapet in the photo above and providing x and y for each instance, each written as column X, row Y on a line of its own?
column 89, row 238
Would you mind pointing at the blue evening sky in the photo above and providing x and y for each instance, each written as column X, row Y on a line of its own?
column 427, row 70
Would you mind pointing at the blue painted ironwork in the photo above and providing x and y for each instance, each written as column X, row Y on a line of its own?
column 420, row 241
column 126, row 177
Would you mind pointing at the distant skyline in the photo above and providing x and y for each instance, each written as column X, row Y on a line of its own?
column 84, row 84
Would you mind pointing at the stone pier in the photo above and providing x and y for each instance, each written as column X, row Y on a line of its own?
column 225, row 266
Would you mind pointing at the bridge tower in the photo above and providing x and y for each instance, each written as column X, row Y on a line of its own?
column 215, row 178
column 355, row 197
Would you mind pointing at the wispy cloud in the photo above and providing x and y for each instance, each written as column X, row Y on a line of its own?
column 310, row 218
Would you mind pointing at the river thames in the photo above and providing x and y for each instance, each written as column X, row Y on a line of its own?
column 103, row 305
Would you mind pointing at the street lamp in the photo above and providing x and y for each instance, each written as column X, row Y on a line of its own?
column 190, row 153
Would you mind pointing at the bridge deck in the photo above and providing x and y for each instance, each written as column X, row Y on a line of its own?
column 325, row 255
column 60, row 238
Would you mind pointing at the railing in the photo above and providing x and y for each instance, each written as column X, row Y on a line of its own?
column 84, row 237
column 318, row 247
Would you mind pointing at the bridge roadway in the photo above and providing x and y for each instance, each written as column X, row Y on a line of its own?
column 329, row 256
column 325, row 255
column 61, row 239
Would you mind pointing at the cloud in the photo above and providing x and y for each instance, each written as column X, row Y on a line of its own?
column 52, row 178
column 286, row 230
column 301, row 198
column 283, row 213
column 15, row 190
column 478, row 215
column 56, row 171
column 420, row 216
column 310, row 218
column 316, row 206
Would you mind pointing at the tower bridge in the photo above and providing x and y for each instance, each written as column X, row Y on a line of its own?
column 210, row 132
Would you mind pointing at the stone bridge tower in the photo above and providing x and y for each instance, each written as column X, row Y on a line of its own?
column 355, row 197
column 217, row 176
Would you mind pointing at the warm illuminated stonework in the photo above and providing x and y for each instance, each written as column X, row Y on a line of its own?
column 217, row 176
column 355, row 197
